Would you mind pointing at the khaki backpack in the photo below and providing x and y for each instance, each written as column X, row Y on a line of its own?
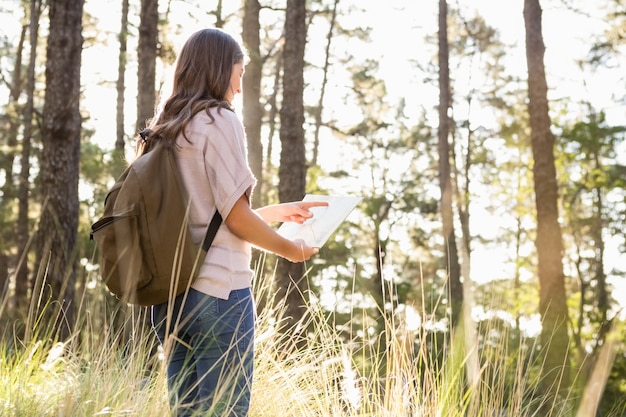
column 146, row 255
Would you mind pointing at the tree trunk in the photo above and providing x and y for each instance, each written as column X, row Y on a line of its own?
column 455, row 287
column 320, row 104
column 552, row 297
column 273, row 111
column 381, row 290
column 4, row 277
column 60, row 160
column 10, row 128
column 598, row 225
column 252, row 109
column 120, row 136
column 22, row 284
column 292, row 286
column 146, row 66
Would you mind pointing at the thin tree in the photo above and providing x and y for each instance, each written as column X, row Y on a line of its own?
column 23, row 191
column 292, row 285
column 10, row 122
column 252, row 108
column 60, row 160
column 455, row 287
column 320, row 104
column 552, row 297
column 273, row 111
column 146, row 57
column 11, row 128
column 121, row 81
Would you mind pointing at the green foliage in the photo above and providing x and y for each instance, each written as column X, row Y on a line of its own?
column 98, row 168
column 588, row 162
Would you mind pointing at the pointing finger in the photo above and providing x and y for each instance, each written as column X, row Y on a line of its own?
column 308, row 204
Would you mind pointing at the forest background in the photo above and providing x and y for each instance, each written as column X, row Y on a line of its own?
column 484, row 221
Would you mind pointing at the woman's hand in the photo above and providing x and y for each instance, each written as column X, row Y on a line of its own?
column 297, row 211
column 302, row 252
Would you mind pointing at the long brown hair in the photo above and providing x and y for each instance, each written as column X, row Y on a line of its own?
column 201, row 81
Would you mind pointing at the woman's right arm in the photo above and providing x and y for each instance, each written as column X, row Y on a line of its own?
column 246, row 224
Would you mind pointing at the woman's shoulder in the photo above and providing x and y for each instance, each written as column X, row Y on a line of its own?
column 218, row 115
column 214, row 119
column 215, row 125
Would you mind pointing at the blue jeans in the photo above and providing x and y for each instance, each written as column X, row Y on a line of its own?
column 209, row 345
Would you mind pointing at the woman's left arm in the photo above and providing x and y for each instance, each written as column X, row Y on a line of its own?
column 297, row 211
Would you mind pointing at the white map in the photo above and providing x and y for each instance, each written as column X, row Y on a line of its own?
column 316, row 230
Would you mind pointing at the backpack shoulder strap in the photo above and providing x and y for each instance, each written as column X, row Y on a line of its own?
column 214, row 225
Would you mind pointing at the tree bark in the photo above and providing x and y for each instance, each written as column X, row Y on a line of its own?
column 146, row 67
column 552, row 297
column 10, row 124
column 252, row 109
column 120, row 136
column 455, row 287
column 320, row 104
column 382, row 291
column 22, row 284
column 60, row 160
column 292, row 286
column 11, row 128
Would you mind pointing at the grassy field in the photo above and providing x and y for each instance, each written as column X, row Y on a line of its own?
column 112, row 367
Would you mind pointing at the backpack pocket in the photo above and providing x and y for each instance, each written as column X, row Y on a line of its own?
column 117, row 238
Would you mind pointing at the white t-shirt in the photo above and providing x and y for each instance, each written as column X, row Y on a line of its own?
column 214, row 167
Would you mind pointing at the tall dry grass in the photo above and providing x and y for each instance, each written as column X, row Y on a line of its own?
column 110, row 367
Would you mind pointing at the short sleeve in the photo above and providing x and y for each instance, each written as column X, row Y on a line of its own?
column 213, row 162
column 226, row 161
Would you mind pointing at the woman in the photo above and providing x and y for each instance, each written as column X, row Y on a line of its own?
column 208, row 333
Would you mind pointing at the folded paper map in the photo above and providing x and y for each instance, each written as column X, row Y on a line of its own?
column 316, row 230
